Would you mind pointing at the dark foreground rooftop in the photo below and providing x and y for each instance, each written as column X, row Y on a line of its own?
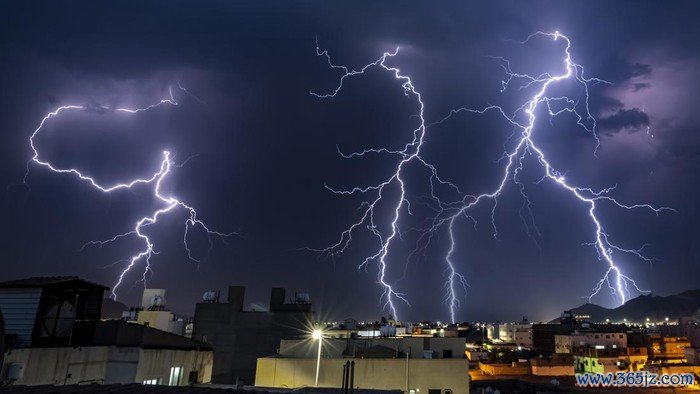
column 41, row 281
column 123, row 334
column 139, row 388
column 113, row 388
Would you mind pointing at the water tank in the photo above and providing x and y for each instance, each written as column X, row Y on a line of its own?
column 157, row 301
column 302, row 298
column 210, row 296
column 148, row 295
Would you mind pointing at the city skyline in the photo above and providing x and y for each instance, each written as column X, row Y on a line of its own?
column 267, row 164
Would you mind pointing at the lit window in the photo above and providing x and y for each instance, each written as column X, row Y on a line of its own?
column 150, row 381
column 175, row 376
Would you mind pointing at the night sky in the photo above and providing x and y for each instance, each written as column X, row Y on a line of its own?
column 262, row 149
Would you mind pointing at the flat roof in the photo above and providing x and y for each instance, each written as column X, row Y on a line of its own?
column 41, row 281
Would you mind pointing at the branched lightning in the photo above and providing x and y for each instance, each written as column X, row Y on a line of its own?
column 409, row 153
column 447, row 213
column 169, row 203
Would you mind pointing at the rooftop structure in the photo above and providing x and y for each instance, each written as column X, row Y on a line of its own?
column 240, row 337
column 412, row 365
column 40, row 311
column 58, row 339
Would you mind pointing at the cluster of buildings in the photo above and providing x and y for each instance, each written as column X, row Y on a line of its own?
column 53, row 333
column 574, row 345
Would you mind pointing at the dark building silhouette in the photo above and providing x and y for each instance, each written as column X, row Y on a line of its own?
column 543, row 334
column 240, row 337
column 55, row 337
column 41, row 311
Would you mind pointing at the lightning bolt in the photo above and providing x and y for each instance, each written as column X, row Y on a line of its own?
column 409, row 153
column 169, row 203
column 447, row 213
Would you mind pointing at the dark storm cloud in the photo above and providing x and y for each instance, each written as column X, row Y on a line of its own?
column 639, row 69
column 266, row 147
column 641, row 85
column 624, row 118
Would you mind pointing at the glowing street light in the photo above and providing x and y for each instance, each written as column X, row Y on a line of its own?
column 317, row 334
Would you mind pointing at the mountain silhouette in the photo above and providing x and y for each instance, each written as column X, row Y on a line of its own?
column 654, row 308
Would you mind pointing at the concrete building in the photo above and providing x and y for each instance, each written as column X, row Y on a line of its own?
column 600, row 361
column 692, row 355
column 493, row 331
column 152, row 313
column 412, row 376
column 518, row 333
column 58, row 339
column 476, row 355
column 597, row 340
column 543, row 335
column 667, row 348
column 558, row 365
column 413, row 347
column 413, row 365
column 690, row 328
column 240, row 337
column 512, row 369
column 112, row 352
column 523, row 336
column 636, row 358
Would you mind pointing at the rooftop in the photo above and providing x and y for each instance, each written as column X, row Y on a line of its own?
column 41, row 281
column 123, row 334
column 140, row 388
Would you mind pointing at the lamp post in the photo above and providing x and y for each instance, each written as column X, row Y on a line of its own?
column 318, row 334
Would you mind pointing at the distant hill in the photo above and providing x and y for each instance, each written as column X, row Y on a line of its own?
column 112, row 309
column 656, row 308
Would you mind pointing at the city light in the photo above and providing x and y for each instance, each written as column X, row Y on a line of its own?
column 317, row 335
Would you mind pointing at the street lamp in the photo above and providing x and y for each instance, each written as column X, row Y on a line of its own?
column 317, row 335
